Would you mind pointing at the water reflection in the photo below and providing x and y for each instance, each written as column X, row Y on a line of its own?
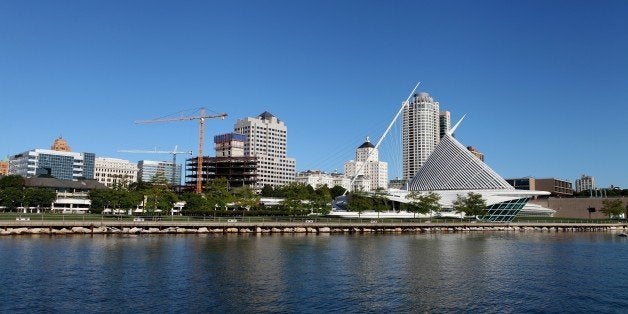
column 481, row 272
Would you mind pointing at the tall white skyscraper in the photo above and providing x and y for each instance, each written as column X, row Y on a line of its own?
column 420, row 132
column 367, row 165
column 266, row 139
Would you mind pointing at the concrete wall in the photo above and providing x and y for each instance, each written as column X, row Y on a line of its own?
column 577, row 207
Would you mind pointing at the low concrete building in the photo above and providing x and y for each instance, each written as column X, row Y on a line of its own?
column 589, row 207
column 557, row 187
column 72, row 195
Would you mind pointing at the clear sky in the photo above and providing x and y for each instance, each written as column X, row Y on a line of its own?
column 544, row 84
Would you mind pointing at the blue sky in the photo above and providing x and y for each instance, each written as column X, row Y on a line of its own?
column 543, row 83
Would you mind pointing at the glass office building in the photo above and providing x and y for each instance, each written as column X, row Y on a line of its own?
column 57, row 164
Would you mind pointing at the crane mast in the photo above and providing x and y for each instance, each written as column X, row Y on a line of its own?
column 199, row 160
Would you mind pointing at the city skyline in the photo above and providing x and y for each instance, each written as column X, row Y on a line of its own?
column 542, row 84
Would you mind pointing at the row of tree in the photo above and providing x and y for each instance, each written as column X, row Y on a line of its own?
column 217, row 198
column 13, row 194
column 471, row 204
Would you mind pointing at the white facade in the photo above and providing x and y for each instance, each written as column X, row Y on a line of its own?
column 115, row 172
column 420, row 132
column 315, row 178
column 341, row 180
column 585, row 183
column 374, row 172
column 266, row 139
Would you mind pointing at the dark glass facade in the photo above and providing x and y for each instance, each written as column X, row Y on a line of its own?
column 89, row 162
column 60, row 167
column 520, row 184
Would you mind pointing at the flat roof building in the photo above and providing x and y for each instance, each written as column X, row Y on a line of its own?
column 115, row 172
column 150, row 170
column 59, row 164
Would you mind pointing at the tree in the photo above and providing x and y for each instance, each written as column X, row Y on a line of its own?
column 612, row 207
column 217, row 192
column 196, row 203
column 424, row 203
column 268, row 191
column 245, row 197
column 128, row 199
column 358, row 202
column 11, row 197
column 321, row 200
column 379, row 201
column 12, row 181
column 472, row 205
column 336, row 191
column 39, row 197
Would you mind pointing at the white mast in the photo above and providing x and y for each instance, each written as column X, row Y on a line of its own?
column 383, row 135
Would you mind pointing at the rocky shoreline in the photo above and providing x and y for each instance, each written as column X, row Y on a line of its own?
column 288, row 230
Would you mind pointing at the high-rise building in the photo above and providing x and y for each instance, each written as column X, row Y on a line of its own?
column 585, row 182
column 149, row 170
column 420, row 132
column 59, row 163
column 229, row 163
column 266, row 139
column 444, row 119
column 367, row 165
column 115, row 172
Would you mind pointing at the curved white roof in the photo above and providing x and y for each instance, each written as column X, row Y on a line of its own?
column 451, row 166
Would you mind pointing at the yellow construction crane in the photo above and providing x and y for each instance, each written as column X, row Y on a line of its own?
column 201, row 117
column 174, row 157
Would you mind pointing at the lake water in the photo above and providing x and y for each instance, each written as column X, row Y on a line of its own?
column 476, row 272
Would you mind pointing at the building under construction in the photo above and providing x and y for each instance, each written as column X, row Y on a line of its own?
column 230, row 163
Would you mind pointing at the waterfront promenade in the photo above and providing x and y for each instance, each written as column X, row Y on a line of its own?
column 287, row 225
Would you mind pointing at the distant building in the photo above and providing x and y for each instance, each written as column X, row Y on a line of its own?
column 4, row 167
column 60, row 145
column 341, row 180
column 368, row 166
column 444, row 118
column 523, row 183
column 315, row 178
column 556, row 187
column 585, row 183
column 58, row 162
column 148, row 170
column 420, row 132
column 397, row 183
column 229, row 163
column 72, row 195
column 476, row 152
column 115, row 172
column 266, row 140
